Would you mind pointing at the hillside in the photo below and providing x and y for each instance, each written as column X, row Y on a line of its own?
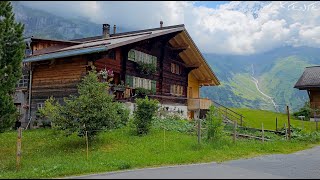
column 277, row 71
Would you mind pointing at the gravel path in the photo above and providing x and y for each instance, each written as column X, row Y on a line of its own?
column 302, row 164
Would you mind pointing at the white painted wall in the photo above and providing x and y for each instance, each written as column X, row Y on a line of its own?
column 178, row 109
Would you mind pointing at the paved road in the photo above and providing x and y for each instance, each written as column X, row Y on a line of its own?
column 302, row 164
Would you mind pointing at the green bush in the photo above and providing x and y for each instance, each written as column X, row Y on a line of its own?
column 173, row 123
column 142, row 91
column 123, row 113
column 93, row 110
column 146, row 68
column 304, row 111
column 144, row 114
column 214, row 124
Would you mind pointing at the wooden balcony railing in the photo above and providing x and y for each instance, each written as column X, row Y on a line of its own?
column 198, row 103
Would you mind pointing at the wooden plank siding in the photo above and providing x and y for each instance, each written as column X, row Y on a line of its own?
column 108, row 63
column 58, row 79
column 315, row 102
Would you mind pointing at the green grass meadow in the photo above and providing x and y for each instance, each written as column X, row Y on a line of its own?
column 48, row 154
column 255, row 118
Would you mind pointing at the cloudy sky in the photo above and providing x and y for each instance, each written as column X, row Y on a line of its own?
column 223, row 27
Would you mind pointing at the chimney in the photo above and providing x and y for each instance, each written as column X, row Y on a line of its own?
column 161, row 23
column 114, row 29
column 105, row 30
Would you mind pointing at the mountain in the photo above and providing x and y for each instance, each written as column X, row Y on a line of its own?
column 42, row 24
column 274, row 72
column 277, row 71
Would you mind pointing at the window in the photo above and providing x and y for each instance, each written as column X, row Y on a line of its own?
column 141, row 82
column 139, row 56
column 176, row 90
column 40, row 105
column 23, row 82
column 131, row 55
column 175, row 68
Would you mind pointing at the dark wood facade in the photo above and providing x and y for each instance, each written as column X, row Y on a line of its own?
column 57, row 67
column 59, row 77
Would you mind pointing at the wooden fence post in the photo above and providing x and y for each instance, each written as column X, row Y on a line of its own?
column 241, row 121
column 87, row 144
column 289, row 131
column 285, row 130
column 234, row 131
column 262, row 133
column 19, row 148
column 199, row 131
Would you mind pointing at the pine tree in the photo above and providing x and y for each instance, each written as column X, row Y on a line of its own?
column 11, row 54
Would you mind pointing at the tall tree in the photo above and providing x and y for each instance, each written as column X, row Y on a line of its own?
column 12, row 49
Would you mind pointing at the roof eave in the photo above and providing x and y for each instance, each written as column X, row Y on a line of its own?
column 216, row 80
column 63, row 54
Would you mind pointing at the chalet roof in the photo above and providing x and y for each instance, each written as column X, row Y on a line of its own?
column 192, row 56
column 309, row 79
column 54, row 40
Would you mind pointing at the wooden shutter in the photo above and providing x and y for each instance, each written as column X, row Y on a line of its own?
column 129, row 80
column 131, row 55
column 155, row 60
column 137, row 56
column 153, row 86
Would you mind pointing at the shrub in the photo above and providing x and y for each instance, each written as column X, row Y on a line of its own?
column 142, row 91
column 144, row 114
column 123, row 113
column 93, row 110
column 214, row 124
column 304, row 111
column 173, row 123
column 146, row 68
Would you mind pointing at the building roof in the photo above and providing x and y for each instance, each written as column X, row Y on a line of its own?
column 309, row 79
column 191, row 56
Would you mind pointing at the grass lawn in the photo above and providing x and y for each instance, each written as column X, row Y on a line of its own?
column 46, row 154
column 254, row 118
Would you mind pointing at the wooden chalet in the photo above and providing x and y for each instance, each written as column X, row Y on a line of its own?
column 310, row 81
column 55, row 67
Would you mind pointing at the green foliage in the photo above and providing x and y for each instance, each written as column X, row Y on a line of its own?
column 214, row 124
column 93, row 110
column 11, row 54
column 173, row 123
column 142, row 91
column 123, row 113
column 304, row 111
column 144, row 114
column 301, row 135
column 146, row 68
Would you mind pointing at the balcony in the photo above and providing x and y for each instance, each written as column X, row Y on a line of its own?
column 198, row 103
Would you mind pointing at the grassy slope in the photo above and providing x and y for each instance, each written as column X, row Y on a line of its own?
column 254, row 118
column 46, row 154
column 280, row 80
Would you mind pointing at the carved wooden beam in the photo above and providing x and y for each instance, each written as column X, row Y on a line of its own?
column 179, row 49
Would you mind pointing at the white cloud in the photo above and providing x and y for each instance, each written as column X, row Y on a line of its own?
column 232, row 28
